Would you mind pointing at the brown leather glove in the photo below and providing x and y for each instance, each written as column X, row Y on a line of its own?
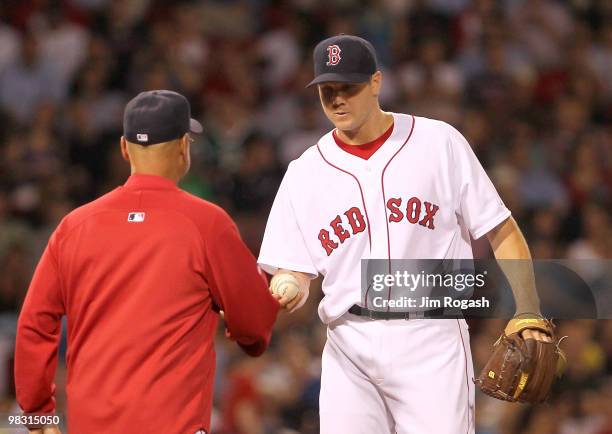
column 520, row 369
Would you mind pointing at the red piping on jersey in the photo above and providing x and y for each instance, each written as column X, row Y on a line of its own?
column 467, row 381
column 360, row 191
column 382, row 183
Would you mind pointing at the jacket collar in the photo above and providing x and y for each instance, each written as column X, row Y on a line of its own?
column 151, row 182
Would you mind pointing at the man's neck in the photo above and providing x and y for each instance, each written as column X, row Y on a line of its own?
column 163, row 173
column 373, row 128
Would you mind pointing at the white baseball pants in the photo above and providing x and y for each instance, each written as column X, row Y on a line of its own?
column 397, row 376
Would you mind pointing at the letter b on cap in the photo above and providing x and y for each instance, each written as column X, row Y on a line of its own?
column 333, row 55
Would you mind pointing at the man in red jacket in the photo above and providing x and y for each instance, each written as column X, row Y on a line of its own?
column 140, row 274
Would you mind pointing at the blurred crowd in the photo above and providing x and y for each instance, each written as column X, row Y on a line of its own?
column 524, row 80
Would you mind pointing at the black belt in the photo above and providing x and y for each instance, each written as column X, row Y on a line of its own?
column 378, row 314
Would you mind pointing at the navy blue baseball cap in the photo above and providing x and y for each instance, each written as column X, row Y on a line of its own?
column 158, row 116
column 345, row 59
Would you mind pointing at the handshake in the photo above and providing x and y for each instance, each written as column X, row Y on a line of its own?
column 290, row 289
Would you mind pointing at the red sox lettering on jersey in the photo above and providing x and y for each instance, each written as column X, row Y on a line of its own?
column 357, row 223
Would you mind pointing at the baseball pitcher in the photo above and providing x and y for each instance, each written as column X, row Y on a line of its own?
column 386, row 185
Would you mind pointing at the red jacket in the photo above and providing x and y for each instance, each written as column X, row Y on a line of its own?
column 139, row 274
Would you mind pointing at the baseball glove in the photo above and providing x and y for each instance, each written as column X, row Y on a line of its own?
column 522, row 370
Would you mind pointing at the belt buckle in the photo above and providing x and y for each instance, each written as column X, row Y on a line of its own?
column 371, row 314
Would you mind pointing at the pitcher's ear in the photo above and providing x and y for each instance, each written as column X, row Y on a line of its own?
column 376, row 82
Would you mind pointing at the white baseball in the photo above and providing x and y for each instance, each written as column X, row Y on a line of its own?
column 285, row 285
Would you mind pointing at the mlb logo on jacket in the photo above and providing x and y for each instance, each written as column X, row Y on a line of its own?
column 136, row 217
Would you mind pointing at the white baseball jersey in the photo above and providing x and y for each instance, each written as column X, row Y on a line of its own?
column 419, row 196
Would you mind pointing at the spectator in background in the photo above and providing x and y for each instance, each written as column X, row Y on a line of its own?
column 305, row 134
column 596, row 235
column 29, row 81
column 9, row 43
column 254, row 185
column 62, row 43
